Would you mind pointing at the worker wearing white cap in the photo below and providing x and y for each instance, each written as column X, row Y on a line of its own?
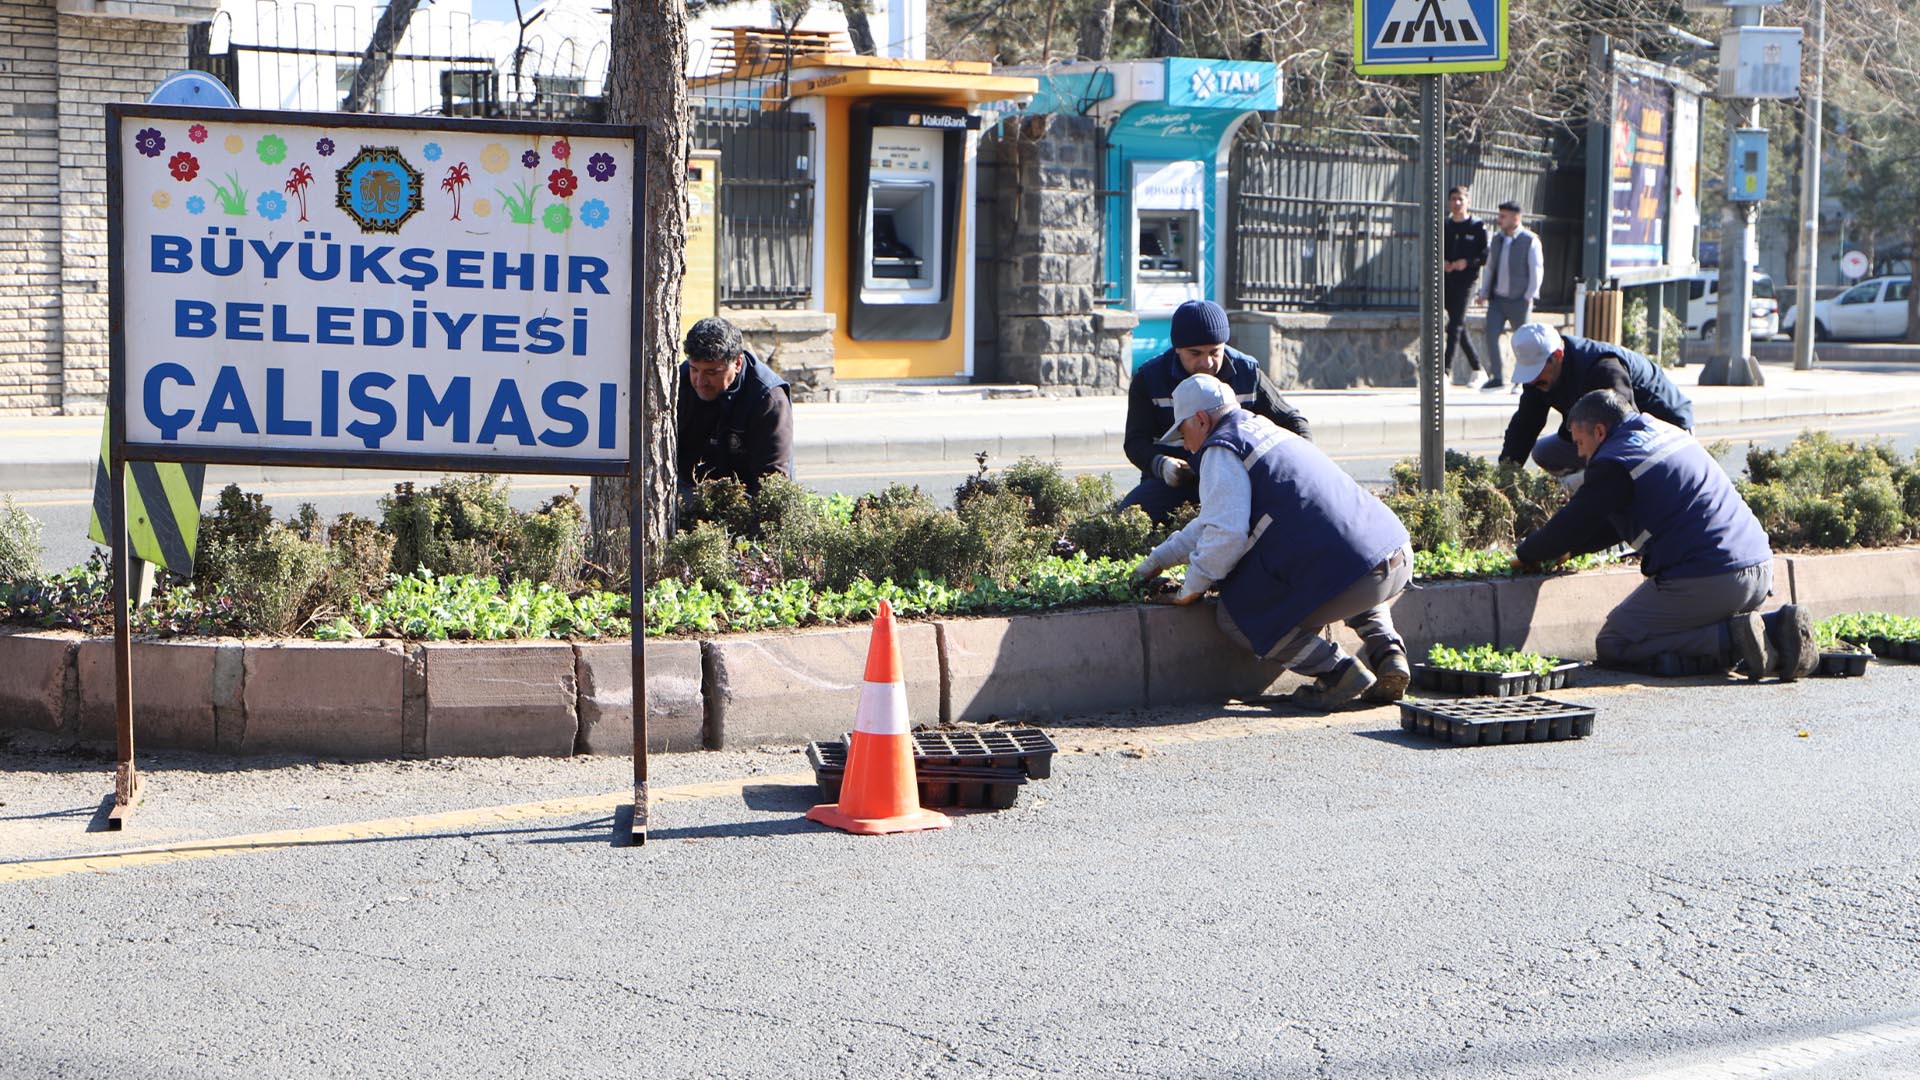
column 1293, row 544
column 1557, row 370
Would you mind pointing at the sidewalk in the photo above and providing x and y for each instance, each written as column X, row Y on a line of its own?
column 59, row 452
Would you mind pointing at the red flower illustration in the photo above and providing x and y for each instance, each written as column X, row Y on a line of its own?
column 184, row 166
column 562, row 149
column 198, row 133
column 563, row 183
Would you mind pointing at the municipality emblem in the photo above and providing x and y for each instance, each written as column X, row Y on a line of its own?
column 379, row 190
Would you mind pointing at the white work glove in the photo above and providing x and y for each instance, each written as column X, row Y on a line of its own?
column 1173, row 472
column 1148, row 567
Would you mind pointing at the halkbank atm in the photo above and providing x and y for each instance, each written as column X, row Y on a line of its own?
column 1170, row 134
column 905, row 184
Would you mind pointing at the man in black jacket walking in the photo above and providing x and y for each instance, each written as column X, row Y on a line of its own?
column 1466, row 253
column 1557, row 370
column 1200, row 331
column 734, row 416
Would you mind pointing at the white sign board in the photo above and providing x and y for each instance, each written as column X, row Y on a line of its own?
column 329, row 284
column 1854, row 264
column 1760, row 62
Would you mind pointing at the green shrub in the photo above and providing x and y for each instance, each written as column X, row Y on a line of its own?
column 272, row 579
column 550, row 543
column 1432, row 518
column 1484, row 503
column 20, row 547
column 359, row 556
column 1113, row 534
column 463, row 524
column 702, row 554
column 1823, row 492
column 1874, row 508
column 1057, row 501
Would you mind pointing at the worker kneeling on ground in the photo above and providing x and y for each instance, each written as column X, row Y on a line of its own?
column 1199, row 333
column 1293, row 544
column 1557, row 370
column 735, row 415
column 1706, row 558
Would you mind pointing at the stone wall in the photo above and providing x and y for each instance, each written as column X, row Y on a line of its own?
column 1343, row 349
column 61, row 62
column 1041, row 260
column 798, row 345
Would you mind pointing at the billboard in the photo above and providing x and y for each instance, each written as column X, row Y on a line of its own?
column 1638, row 178
column 327, row 288
column 1643, row 174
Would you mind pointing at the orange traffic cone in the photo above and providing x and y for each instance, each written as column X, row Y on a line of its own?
column 878, row 792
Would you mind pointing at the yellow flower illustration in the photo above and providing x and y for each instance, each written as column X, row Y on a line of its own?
column 482, row 207
column 162, row 200
column 235, row 144
column 494, row 158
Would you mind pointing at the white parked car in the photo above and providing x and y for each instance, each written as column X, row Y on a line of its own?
column 1875, row 309
column 1703, row 307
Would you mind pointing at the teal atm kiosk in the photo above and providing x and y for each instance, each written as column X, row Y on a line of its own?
column 1170, row 127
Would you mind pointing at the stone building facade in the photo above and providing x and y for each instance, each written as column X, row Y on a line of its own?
column 61, row 62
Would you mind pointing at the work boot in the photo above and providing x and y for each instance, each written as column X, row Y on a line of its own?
column 1390, row 678
column 1793, row 640
column 1336, row 688
column 1750, row 644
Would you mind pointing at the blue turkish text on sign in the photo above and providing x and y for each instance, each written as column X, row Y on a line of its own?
column 1429, row 36
column 1240, row 85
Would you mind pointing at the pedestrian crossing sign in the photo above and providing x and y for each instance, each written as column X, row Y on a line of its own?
column 1429, row 37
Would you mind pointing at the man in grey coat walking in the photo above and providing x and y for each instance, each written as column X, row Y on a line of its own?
column 1515, row 266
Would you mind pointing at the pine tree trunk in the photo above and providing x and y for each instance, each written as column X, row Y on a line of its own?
column 1165, row 37
column 859, row 28
column 647, row 87
column 372, row 71
column 1096, row 31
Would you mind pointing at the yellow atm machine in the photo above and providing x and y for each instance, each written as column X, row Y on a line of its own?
column 894, row 148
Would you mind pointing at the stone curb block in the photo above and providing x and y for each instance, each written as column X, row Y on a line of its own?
column 1189, row 659
column 359, row 716
column 676, row 708
column 1073, row 662
column 1882, row 580
column 784, row 688
column 499, row 700
column 181, row 691
column 1559, row 616
column 36, row 677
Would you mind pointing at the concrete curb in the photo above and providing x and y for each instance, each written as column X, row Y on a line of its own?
column 388, row 699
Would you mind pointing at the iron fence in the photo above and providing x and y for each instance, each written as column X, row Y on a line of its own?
column 766, row 200
column 1335, row 225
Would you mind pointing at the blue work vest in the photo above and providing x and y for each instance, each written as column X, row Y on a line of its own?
column 1314, row 531
column 1687, row 520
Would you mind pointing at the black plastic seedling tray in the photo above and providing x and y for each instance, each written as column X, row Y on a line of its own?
column 1491, row 683
column 964, row 787
column 1491, row 721
column 1888, row 649
column 1026, row 749
column 1842, row 665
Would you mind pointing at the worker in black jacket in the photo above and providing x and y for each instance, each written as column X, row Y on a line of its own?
column 735, row 415
column 1200, row 332
column 1559, row 369
column 1466, row 253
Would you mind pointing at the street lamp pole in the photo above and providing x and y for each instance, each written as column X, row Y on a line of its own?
column 1806, row 275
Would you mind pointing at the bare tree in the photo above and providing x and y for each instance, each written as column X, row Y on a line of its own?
column 1096, row 31
column 647, row 88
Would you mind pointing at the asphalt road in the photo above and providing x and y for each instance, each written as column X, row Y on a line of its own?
column 64, row 514
column 1722, row 875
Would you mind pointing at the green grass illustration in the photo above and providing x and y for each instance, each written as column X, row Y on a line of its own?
column 519, row 210
column 232, row 200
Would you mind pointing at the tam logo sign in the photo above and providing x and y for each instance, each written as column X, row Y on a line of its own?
column 1221, row 84
column 1207, row 82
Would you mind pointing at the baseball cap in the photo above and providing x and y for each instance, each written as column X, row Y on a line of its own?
column 1533, row 345
column 1196, row 394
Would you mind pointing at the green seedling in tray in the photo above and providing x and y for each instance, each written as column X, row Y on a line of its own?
column 1491, row 659
column 1856, row 628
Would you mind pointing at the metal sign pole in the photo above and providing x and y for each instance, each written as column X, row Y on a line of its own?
column 126, row 778
column 1433, row 445
column 638, row 436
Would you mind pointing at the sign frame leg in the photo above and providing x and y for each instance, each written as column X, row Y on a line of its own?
column 126, row 780
column 1433, row 351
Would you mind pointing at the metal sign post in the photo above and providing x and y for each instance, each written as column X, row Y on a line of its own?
column 325, row 289
column 1429, row 38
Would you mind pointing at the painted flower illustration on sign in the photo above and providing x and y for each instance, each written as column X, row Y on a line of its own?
column 601, row 167
column 183, row 166
column 150, row 142
column 162, row 200
column 431, row 151
column 198, row 133
column 563, row 183
column 271, row 205
column 482, row 207
column 272, row 149
column 235, row 144
column 323, row 146
column 494, row 158
column 196, row 204
column 562, row 149
column 530, row 159
column 594, row 213
column 299, row 178
column 557, row 218
column 457, row 177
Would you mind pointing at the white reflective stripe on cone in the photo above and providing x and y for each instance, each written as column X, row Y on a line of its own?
column 882, row 709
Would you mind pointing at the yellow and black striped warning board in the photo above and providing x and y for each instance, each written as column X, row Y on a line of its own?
column 163, row 509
